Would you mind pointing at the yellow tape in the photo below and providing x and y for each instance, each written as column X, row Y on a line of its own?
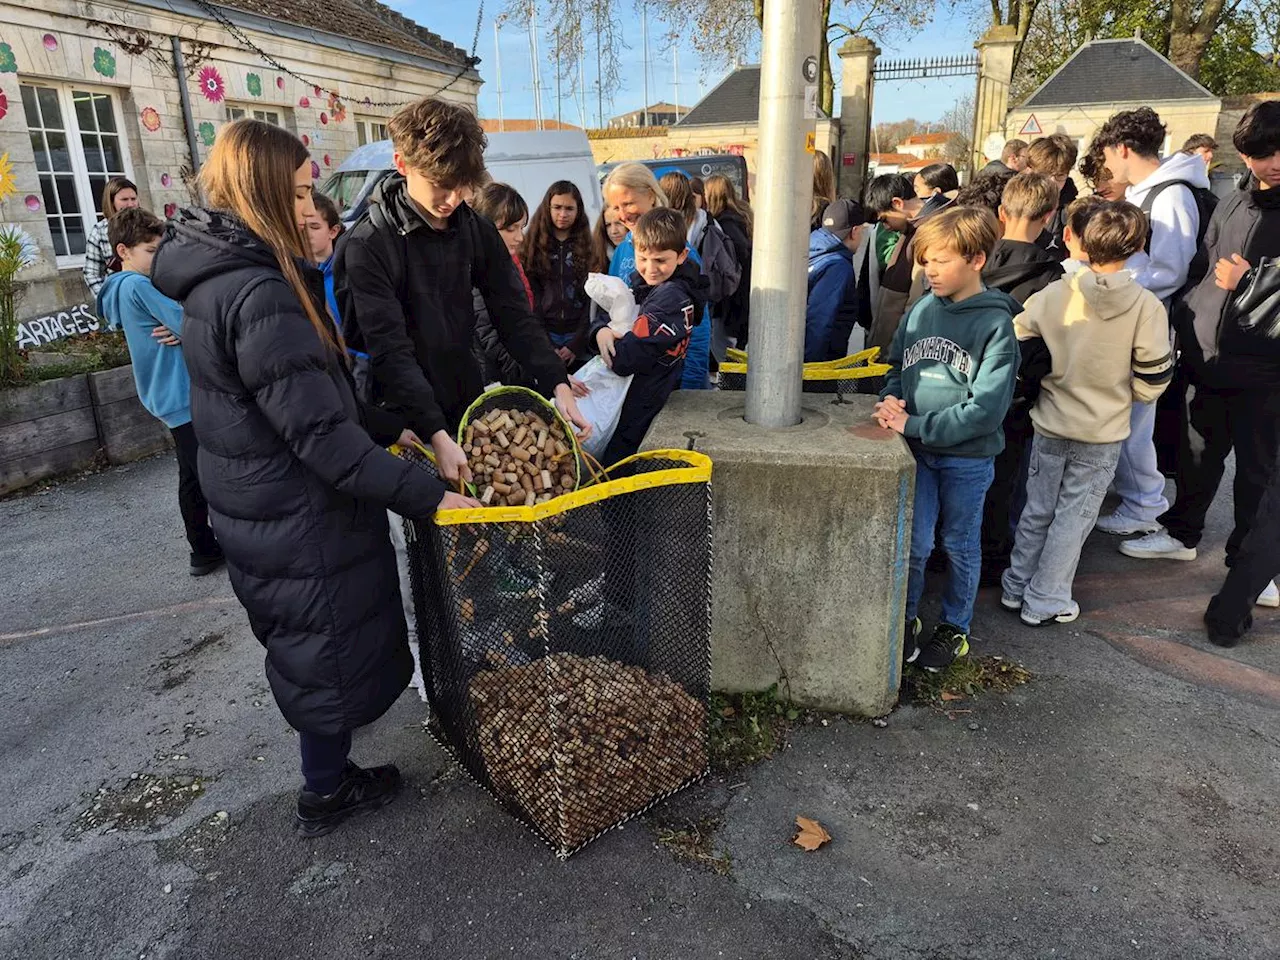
column 856, row 366
column 697, row 470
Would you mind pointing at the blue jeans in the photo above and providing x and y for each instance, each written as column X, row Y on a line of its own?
column 951, row 490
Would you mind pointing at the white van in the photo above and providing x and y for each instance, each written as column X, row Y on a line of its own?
column 530, row 162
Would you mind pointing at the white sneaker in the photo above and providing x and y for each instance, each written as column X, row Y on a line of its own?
column 1122, row 526
column 1270, row 597
column 1158, row 546
column 1066, row 616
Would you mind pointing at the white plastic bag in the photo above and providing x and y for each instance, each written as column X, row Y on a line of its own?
column 614, row 297
column 603, row 406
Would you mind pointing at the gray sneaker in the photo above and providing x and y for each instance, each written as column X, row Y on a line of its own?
column 1157, row 546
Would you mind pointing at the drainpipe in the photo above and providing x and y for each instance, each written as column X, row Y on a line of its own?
column 184, row 97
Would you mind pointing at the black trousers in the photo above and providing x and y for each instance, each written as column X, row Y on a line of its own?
column 1215, row 421
column 1007, row 492
column 324, row 758
column 1256, row 562
column 191, row 501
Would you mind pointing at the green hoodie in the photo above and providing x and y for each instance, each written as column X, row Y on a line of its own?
column 955, row 364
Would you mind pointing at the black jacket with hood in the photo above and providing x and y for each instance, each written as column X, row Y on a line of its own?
column 1051, row 240
column 1220, row 354
column 297, row 483
column 404, row 289
column 736, row 309
column 1020, row 269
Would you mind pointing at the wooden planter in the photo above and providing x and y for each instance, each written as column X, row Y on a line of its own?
column 45, row 429
column 59, row 425
column 127, row 432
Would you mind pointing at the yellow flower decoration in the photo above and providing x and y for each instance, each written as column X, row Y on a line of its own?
column 8, row 184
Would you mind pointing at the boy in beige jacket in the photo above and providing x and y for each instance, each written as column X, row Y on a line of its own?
column 1109, row 340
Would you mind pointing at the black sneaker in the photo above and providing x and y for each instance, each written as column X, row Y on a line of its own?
column 911, row 640
column 1222, row 634
column 202, row 566
column 947, row 645
column 360, row 790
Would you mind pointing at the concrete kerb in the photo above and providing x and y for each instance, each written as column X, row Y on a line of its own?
column 812, row 529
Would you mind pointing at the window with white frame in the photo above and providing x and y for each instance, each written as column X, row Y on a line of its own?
column 272, row 117
column 370, row 130
column 78, row 145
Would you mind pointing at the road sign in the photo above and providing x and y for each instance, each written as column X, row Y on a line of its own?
column 809, row 144
column 1031, row 127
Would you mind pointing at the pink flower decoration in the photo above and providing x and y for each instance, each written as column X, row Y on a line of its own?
column 316, row 90
column 32, row 202
column 165, row 180
column 315, row 170
column 4, row 105
column 304, row 102
column 326, row 160
column 50, row 42
column 170, row 209
column 150, row 119
column 306, row 141
column 279, row 83
column 324, row 118
column 211, row 85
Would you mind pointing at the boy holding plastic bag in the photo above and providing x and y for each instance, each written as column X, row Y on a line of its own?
column 671, row 293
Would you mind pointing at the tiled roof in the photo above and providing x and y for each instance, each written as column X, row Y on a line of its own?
column 1115, row 71
column 926, row 140
column 916, row 163
column 365, row 20
column 524, row 126
column 735, row 99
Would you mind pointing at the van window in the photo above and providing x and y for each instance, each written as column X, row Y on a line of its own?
column 344, row 189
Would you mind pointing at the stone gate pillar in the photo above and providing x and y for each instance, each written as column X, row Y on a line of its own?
column 996, row 49
column 857, row 59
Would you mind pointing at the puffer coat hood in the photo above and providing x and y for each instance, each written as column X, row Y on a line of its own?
column 297, row 486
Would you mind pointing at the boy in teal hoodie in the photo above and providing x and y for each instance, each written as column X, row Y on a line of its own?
column 953, row 364
column 152, row 325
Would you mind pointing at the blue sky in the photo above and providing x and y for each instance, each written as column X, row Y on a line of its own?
column 924, row 100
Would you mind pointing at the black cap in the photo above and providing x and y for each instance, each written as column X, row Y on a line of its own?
column 841, row 216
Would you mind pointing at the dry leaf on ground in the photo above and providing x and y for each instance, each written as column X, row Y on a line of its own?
column 948, row 695
column 811, row 834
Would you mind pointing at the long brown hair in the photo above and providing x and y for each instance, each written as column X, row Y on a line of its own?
column 601, row 246
column 111, row 191
column 249, row 174
column 680, row 195
column 824, row 182
column 721, row 196
column 536, row 252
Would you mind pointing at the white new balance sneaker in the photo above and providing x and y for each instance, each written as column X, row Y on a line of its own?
column 1121, row 526
column 1270, row 597
column 1157, row 546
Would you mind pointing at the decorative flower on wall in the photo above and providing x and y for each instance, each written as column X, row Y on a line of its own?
column 207, row 133
column 8, row 62
column 8, row 184
column 324, row 118
column 315, row 90
column 28, row 252
column 315, row 170
column 50, row 42
column 211, row 85
column 150, row 119
column 170, row 209
column 32, row 202
column 4, row 105
column 306, row 140
column 253, row 83
column 104, row 62
column 326, row 160
column 165, row 180
column 279, row 83
column 304, row 102
column 339, row 112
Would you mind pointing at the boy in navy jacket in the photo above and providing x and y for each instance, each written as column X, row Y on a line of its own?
column 672, row 293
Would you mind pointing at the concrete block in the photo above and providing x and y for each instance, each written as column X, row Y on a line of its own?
column 812, row 530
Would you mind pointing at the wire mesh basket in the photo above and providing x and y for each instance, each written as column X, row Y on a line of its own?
column 566, row 646
column 840, row 377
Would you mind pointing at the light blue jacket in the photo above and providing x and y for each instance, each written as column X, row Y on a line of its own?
column 128, row 300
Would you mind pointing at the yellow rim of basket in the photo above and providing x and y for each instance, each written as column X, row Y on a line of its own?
column 697, row 469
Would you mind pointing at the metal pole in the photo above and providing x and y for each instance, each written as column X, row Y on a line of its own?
column 184, row 98
column 559, row 67
column 644, row 26
column 497, row 58
column 783, row 195
column 675, row 61
column 599, row 73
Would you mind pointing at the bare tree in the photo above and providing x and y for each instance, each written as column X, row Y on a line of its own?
column 959, row 122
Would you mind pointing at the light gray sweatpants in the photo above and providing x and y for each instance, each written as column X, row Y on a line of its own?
column 406, row 597
column 1066, row 484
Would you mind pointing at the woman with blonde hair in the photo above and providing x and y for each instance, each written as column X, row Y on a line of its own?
column 824, row 187
column 292, row 464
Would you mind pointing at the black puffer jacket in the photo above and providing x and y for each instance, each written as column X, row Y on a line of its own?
column 297, row 489
column 1051, row 240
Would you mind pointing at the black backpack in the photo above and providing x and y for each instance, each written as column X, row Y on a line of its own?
column 1206, row 202
column 720, row 263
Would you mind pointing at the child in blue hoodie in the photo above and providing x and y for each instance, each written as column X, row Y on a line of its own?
column 954, row 361
column 832, row 307
column 152, row 326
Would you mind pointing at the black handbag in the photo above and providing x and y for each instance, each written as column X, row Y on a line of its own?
column 1256, row 308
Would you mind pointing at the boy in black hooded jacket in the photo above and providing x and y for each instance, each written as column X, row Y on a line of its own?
column 671, row 293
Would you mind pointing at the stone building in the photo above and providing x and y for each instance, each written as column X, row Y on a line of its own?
column 661, row 114
column 90, row 90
